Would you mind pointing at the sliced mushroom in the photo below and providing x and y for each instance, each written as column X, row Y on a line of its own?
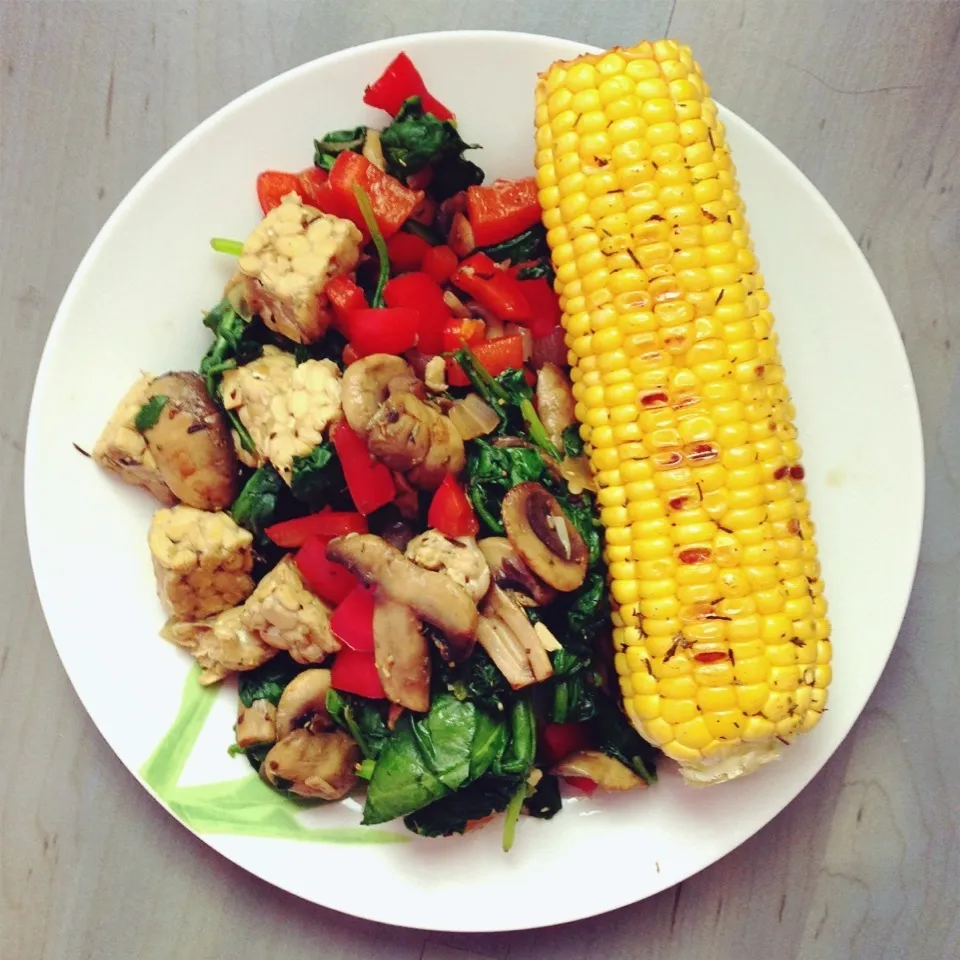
column 315, row 765
column 555, row 403
column 604, row 771
column 191, row 443
column 547, row 541
column 500, row 605
column 402, row 655
column 303, row 703
column 511, row 641
column 510, row 572
column 432, row 596
column 505, row 650
column 256, row 724
column 368, row 382
column 415, row 438
column 459, row 558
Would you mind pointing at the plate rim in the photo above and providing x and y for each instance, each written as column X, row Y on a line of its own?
column 184, row 143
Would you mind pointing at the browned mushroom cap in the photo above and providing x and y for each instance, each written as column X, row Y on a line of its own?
column 191, row 443
column 402, row 655
column 256, row 723
column 316, row 765
column 303, row 703
column 604, row 771
column 508, row 570
column 434, row 597
column 547, row 541
column 368, row 382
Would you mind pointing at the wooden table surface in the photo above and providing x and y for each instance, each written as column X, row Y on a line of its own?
column 865, row 97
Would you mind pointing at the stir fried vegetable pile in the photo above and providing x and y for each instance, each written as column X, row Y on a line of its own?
column 376, row 508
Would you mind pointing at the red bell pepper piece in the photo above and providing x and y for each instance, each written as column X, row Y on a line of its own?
column 273, row 186
column 439, row 263
column 327, row 579
column 451, row 511
column 559, row 740
column 313, row 186
column 393, row 330
column 544, row 303
column 406, row 251
column 588, row 786
column 418, row 292
column 369, row 481
column 326, row 523
column 494, row 356
column 352, row 621
column 345, row 297
column 392, row 202
column 354, row 672
column 493, row 287
column 462, row 330
column 400, row 81
column 502, row 209
column 309, row 185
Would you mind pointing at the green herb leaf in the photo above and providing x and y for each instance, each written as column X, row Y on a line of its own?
column 572, row 444
column 366, row 211
column 445, row 737
column 326, row 151
column 267, row 681
column 618, row 739
column 254, row 508
column 542, row 268
column 492, row 471
column 545, row 801
column 402, row 779
column 365, row 721
column 416, row 139
column 512, row 816
column 317, row 477
column 148, row 415
column 223, row 245
column 489, row 794
column 529, row 245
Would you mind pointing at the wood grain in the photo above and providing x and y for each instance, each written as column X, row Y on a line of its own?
column 865, row 98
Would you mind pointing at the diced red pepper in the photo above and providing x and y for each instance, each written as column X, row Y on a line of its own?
column 451, row 511
column 502, row 209
column 419, row 292
column 345, row 296
column 400, row 81
column 462, row 330
column 309, row 185
column 406, row 252
column 393, row 330
column 494, row 356
column 439, row 263
column 329, row 580
column 392, row 202
column 559, row 740
column 273, row 186
column 354, row 672
column 352, row 621
column 326, row 523
column 494, row 288
column 588, row 786
column 544, row 303
column 369, row 481
column 313, row 186
column 349, row 355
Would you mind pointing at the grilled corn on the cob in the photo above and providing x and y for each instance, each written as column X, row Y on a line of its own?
column 722, row 641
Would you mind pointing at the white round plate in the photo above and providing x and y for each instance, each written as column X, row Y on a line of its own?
column 135, row 303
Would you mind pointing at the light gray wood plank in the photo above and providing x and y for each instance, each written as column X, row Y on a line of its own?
column 865, row 98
